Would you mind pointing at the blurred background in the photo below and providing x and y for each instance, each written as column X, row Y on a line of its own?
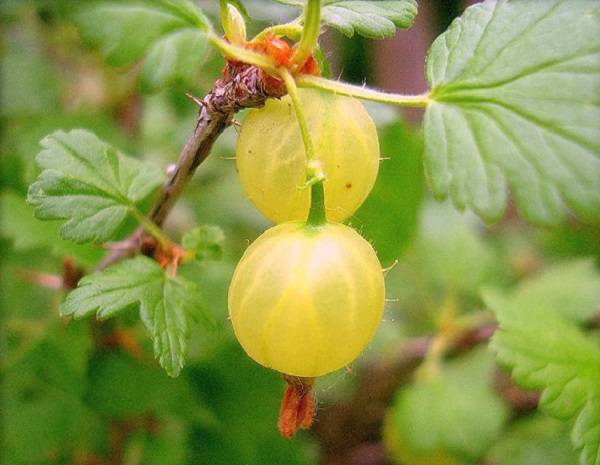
column 85, row 393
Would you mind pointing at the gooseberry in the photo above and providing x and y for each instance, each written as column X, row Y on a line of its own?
column 306, row 300
column 272, row 164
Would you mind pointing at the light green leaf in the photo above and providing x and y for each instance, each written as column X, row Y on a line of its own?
column 374, row 19
column 205, row 242
column 401, row 166
column 177, row 57
column 546, row 350
column 515, row 89
column 166, row 304
column 173, row 32
column 90, row 184
column 570, row 288
column 371, row 19
column 30, row 83
column 536, row 440
column 452, row 252
column 456, row 413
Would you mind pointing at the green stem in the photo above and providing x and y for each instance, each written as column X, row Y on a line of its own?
column 316, row 214
column 290, row 84
column 314, row 171
column 241, row 54
column 152, row 229
column 363, row 93
column 310, row 32
column 291, row 30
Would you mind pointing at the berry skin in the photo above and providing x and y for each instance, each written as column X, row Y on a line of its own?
column 306, row 300
column 271, row 160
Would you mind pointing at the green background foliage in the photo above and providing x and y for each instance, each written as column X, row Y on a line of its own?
column 512, row 137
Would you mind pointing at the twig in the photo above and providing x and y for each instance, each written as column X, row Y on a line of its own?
column 242, row 86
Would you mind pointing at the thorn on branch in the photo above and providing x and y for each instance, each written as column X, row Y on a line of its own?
column 195, row 99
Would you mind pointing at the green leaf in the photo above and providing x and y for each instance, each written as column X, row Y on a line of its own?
column 537, row 440
column 90, row 184
column 172, row 32
column 30, row 83
column 374, row 19
column 371, row 19
column 222, row 381
column 401, row 166
column 515, row 89
column 169, row 446
column 570, row 288
column 165, row 304
column 546, row 350
column 27, row 233
column 205, row 242
column 177, row 57
column 44, row 413
column 456, row 413
column 451, row 251
column 122, row 387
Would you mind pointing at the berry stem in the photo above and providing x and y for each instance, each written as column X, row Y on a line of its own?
column 152, row 228
column 290, row 84
column 316, row 214
column 310, row 32
column 364, row 93
column 314, row 171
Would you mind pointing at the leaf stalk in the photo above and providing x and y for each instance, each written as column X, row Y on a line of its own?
column 310, row 32
column 364, row 93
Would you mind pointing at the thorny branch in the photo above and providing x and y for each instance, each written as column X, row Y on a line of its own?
column 242, row 86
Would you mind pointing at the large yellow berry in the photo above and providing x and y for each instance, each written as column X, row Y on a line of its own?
column 271, row 160
column 306, row 300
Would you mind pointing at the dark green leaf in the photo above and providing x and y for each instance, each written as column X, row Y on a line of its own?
column 165, row 304
column 121, row 387
column 26, row 232
column 90, row 184
column 43, row 411
column 515, row 89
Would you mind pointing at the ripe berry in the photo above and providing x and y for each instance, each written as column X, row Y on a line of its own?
column 306, row 300
column 271, row 160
